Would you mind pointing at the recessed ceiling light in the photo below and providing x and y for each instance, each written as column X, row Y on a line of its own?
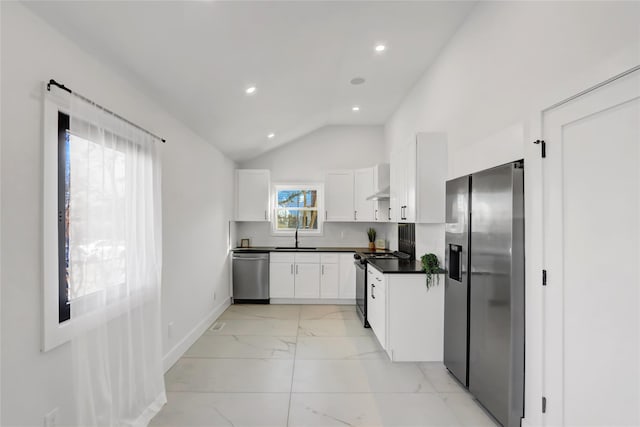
column 357, row 80
column 250, row 90
column 271, row 135
column 355, row 108
column 380, row 48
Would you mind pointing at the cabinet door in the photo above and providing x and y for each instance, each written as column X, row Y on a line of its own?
column 252, row 195
column 281, row 280
column 364, row 187
column 347, row 277
column 376, row 309
column 307, row 283
column 394, row 188
column 338, row 196
column 410, row 182
column 329, row 280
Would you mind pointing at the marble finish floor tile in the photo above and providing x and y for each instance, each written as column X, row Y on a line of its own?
column 243, row 347
column 230, row 375
column 262, row 311
column 321, row 312
column 333, row 328
column 223, row 409
column 365, row 347
column 369, row 409
column 440, row 378
column 307, row 365
column 358, row 376
column 467, row 410
column 263, row 327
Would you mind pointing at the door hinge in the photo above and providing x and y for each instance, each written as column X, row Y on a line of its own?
column 543, row 146
column 544, row 277
column 544, row 404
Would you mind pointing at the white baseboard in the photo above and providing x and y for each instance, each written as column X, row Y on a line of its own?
column 183, row 345
column 312, row 301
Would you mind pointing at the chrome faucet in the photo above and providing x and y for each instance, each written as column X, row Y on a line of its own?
column 296, row 237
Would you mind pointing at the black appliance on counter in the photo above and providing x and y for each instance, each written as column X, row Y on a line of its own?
column 406, row 250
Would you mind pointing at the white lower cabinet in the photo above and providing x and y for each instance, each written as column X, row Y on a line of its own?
column 281, row 279
column 307, row 283
column 406, row 317
column 302, row 275
column 347, row 276
column 376, row 304
column 329, row 276
column 282, row 274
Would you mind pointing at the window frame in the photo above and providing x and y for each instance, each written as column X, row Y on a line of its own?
column 318, row 187
column 58, row 327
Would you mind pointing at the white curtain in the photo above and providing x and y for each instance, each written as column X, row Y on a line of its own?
column 114, row 268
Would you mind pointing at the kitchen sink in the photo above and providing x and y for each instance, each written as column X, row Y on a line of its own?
column 299, row 248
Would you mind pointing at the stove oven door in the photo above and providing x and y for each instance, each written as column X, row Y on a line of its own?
column 361, row 292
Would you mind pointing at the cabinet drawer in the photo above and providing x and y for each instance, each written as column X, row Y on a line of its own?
column 302, row 258
column 282, row 257
column 329, row 258
column 374, row 276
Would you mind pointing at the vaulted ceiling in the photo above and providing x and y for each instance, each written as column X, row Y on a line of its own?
column 196, row 59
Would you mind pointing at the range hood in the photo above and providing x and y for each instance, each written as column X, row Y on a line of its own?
column 380, row 195
column 381, row 182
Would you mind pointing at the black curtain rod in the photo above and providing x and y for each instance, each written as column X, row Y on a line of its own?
column 106, row 110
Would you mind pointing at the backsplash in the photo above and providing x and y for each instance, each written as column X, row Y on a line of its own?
column 338, row 234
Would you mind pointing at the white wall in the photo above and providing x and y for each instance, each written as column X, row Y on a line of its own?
column 508, row 62
column 306, row 159
column 331, row 147
column 197, row 202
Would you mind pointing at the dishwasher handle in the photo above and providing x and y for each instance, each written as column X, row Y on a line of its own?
column 251, row 256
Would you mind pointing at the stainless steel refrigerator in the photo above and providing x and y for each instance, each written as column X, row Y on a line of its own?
column 484, row 288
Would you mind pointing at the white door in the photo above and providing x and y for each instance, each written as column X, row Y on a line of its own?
column 364, row 188
column 281, row 280
column 252, row 195
column 592, row 257
column 347, row 276
column 329, row 280
column 338, row 196
column 307, row 280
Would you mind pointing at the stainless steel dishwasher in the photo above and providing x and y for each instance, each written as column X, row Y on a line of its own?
column 251, row 277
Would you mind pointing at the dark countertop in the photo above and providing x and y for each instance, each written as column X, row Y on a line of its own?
column 398, row 266
column 306, row 249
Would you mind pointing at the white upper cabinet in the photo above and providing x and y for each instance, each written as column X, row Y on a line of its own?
column 395, row 201
column 252, row 195
column 364, row 187
column 339, row 196
column 418, row 176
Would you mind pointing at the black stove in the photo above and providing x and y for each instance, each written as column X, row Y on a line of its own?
column 361, row 278
column 406, row 244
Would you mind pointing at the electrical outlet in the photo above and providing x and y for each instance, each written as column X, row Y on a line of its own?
column 170, row 330
column 50, row 418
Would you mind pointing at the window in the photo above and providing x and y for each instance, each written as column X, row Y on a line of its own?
column 91, row 232
column 298, row 207
column 101, row 221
